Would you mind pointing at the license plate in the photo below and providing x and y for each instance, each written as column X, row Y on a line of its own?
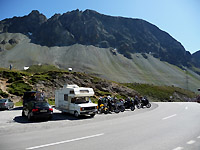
column 43, row 110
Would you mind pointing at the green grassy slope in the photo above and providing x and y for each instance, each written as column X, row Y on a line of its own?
column 48, row 81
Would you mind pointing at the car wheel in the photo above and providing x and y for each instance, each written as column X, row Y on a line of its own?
column 92, row 115
column 9, row 108
column 30, row 118
column 76, row 114
column 23, row 114
column 50, row 117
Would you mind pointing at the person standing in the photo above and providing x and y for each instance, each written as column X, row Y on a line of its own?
column 11, row 66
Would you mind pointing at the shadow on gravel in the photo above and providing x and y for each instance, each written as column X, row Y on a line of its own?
column 16, row 108
column 1, row 109
column 21, row 119
column 56, row 117
column 65, row 116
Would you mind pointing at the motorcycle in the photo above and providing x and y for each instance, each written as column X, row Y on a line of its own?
column 129, row 104
column 120, row 105
column 137, row 102
column 113, row 106
column 102, row 106
column 145, row 102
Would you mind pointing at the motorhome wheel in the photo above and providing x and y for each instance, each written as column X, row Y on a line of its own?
column 76, row 114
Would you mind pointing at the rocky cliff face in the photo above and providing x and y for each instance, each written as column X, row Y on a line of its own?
column 26, row 25
column 89, row 27
column 196, row 59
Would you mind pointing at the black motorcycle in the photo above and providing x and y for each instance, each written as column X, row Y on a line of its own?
column 113, row 107
column 129, row 104
column 137, row 102
column 120, row 105
column 145, row 102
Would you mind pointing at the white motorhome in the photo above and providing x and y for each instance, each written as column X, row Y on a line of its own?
column 75, row 100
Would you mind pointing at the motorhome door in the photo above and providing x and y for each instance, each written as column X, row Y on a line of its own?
column 66, row 103
column 72, row 105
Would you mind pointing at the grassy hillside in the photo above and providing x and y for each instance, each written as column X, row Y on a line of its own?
column 42, row 68
column 162, row 93
column 38, row 78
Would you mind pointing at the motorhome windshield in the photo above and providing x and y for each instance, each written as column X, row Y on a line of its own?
column 80, row 100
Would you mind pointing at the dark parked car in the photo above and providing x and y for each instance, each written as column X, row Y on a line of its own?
column 6, row 104
column 37, row 109
column 34, row 106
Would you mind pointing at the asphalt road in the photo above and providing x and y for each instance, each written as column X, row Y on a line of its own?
column 165, row 126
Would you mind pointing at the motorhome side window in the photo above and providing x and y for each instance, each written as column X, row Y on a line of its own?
column 71, row 92
column 66, row 97
column 73, row 100
column 84, row 91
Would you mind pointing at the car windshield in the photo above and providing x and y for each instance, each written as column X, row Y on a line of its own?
column 80, row 100
column 34, row 95
column 41, row 105
column 2, row 100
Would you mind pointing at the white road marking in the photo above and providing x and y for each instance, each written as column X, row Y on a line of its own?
column 169, row 117
column 178, row 148
column 198, row 137
column 67, row 141
column 191, row 142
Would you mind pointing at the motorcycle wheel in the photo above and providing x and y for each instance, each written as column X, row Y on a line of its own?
column 132, row 108
column 116, row 110
column 138, row 106
column 148, row 105
column 122, row 109
column 106, row 111
column 112, row 109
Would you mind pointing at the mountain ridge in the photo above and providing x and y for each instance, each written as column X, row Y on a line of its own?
column 89, row 27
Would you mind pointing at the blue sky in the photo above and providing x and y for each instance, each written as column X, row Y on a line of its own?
column 180, row 18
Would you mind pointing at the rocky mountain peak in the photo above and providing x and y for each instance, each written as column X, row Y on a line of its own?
column 34, row 12
column 126, row 35
column 25, row 25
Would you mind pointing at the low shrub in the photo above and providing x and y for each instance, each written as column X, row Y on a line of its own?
column 19, row 87
column 19, row 103
column 39, row 77
column 3, row 94
column 102, row 93
column 12, row 76
column 51, row 101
